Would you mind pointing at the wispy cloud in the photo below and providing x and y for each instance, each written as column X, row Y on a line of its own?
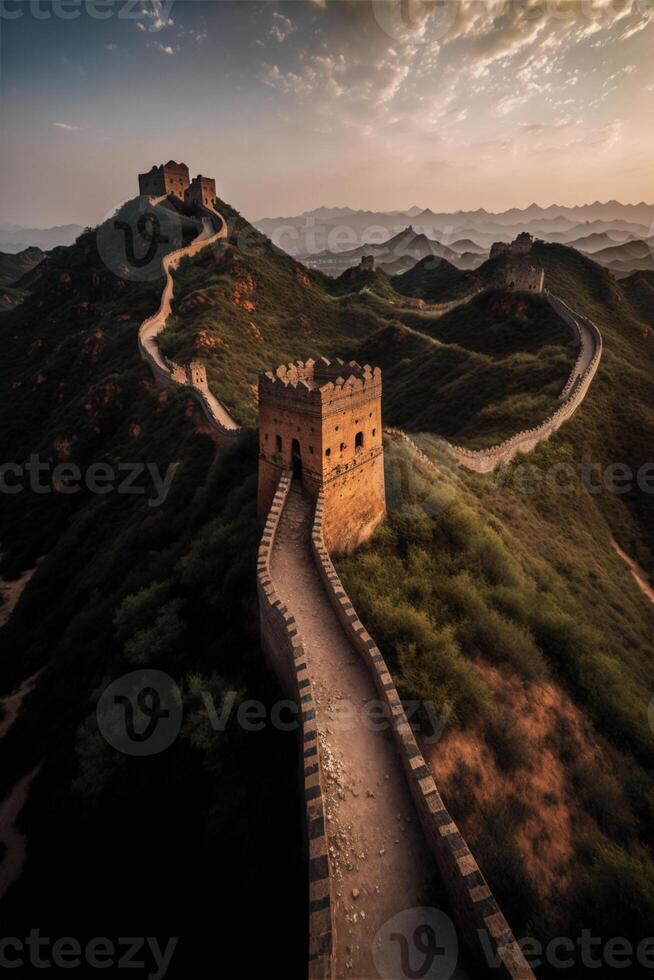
column 67, row 127
column 164, row 48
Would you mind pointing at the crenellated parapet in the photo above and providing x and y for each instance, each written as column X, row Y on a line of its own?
column 322, row 419
column 320, row 382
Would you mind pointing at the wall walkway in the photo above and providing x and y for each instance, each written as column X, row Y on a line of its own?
column 573, row 394
column 218, row 416
column 387, row 829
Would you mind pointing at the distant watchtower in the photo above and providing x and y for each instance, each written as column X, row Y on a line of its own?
column 322, row 419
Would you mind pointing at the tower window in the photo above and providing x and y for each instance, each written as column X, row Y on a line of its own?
column 342, row 446
column 278, row 443
column 374, row 432
column 358, row 440
column 328, row 452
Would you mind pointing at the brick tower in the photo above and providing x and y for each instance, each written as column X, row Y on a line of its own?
column 322, row 419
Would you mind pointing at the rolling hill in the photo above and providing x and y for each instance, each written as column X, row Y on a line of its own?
column 434, row 279
column 513, row 577
column 501, row 582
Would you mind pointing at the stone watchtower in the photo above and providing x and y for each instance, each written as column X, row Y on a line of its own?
column 322, row 419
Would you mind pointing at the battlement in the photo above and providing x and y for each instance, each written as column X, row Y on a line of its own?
column 167, row 178
column 201, row 191
column 319, row 382
column 519, row 246
column 173, row 178
column 194, row 373
column 322, row 419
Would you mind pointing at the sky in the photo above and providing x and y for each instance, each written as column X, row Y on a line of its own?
column 373, row 104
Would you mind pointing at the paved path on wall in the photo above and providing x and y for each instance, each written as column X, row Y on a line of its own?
column 376, row 844
column 580, row 325
column 154, row 325
column 573, row 394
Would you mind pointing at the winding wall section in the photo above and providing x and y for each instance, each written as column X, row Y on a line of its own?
column 371, row 860
column 218, row 416
column 573, row 394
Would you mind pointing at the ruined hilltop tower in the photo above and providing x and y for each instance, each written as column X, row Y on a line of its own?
column 322, row 419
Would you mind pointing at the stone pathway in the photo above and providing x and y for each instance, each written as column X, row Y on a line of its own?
column 154, row 325
column 380, row 862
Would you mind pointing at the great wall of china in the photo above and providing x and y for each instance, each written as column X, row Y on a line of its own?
column 573, row 394
column 367, row 858
column 165, row 371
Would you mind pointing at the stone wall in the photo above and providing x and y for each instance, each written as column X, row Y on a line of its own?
column 201, row 191
column 325, row 417
column 524, row 278
column 166, row 372
column 478, row 917
column 168, row 178
column 574, row 392
column 285, row 653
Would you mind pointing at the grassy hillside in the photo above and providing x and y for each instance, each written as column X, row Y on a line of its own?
column 13, row 266
column 245, row 307
column 494, row 598
column 434, row 279
column 509, row 612
column 477, row 374
column 355, row 279
column 639, row 290
column 123, row 584
column 501, row 599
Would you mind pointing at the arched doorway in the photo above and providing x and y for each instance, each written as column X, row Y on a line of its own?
column 296, row 458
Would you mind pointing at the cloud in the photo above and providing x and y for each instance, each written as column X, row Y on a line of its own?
column 282, row 27
column 164, row 48
column 158, row 14
column 67, row 128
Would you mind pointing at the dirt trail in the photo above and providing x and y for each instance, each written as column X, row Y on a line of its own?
column 377, row 850
column 639, row 574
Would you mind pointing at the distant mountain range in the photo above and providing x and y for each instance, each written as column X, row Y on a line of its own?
column 332, row 239
column 15, row 238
